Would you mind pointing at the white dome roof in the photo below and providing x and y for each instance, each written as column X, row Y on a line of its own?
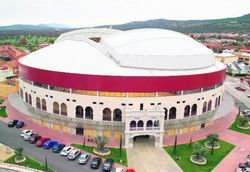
column 157, row 49
column 127, row 54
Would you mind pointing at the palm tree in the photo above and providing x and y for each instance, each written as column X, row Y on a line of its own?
column 199, row 151
column 100, row 141
column 212, row 141
column 19, row 153
column 243, row 121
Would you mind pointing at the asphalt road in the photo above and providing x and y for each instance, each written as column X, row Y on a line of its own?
column 240, row 98
column 11, row 137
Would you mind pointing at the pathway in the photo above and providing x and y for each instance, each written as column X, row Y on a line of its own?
column 144, row 157
column 238, row 154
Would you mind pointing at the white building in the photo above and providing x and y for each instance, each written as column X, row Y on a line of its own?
column 140, row 82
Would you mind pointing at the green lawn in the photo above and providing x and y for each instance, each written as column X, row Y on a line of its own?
column 28, row 163
column 3, row 112
column 115, row 153
column 184, row 151
column 235, row 128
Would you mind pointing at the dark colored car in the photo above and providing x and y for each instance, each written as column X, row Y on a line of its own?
column 58, row 147
column 34, row 138
column 240, row 89
column 20, row 124
column 96, row 162
column 244, row 165
column 107, row 165
column 41, row 141
column 49, row 144
column 12, row 123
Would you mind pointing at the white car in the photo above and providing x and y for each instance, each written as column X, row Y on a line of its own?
column 246, row 112
column 73, row 154
column 118, row 169
column 27, row 136
column 66, row 150
column 83, row 159
column 26, row 131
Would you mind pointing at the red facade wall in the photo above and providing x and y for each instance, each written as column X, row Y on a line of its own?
column 122, row 83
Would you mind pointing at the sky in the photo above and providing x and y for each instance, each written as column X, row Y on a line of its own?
column 87, row 13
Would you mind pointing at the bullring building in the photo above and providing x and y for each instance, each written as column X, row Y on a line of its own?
column 144, row 82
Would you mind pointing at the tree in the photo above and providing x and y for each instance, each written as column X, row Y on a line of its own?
column 19, row 153
column 199, row 151
column 100, row 141
column 175, row 144
column 190, row 142
column 121, row 146
column 243, row 121
column 23, row 41
column 212, row 140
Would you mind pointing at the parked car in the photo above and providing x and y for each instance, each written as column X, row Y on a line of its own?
column 118, row 169
column 26, row 131
column 41, row 141
column 107, row 165
column 240, row 89
column 58, row 147
column 12, row 123
column 130, row 170
column 84, row 158
column 34, row 138
column 49, row 144
column 96, row 162
column 244, row 165
column 66, row 150
column 247, row 169
column 20, row 124
column 27, row 135
column 73, row 154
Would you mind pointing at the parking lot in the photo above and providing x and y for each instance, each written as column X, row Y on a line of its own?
column 11, row 137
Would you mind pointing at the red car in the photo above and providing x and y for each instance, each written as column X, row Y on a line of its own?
column 41, row 141
column 130, row 170
column 240, row 89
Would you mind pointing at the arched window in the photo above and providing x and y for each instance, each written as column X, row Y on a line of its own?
column 149, row 124
column 26, row 97
column 194, row 110
column 186, row 111
column 166, row 113
column 156, row 123
column 88, row 113
column 219, row 101
column 117, row 115
column 172, row 113
column 132, row 124
column 140, row 124
column 44, row 105
column 21, row 93
column 64, row 109
column 55, row 108
column 204, row 108
column 30, row 99
column 106, row 114
column 209, row 106
column 79, row 111
column 216, row 102
column 38, row 103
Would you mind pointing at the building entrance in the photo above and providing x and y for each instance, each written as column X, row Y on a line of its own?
column 145, row 140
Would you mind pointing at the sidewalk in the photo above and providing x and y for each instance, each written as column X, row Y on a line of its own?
column 238, row 154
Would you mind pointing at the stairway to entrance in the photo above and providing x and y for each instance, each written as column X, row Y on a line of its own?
column 144, row 157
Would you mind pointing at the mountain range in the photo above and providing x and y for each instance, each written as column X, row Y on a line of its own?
column 236, row 24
